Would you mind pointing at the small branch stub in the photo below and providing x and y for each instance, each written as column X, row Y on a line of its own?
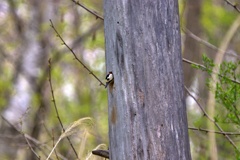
column 101, row 153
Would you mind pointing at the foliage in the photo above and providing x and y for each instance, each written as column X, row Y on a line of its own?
column 227, row 92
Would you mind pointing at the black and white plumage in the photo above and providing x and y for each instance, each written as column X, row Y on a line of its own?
column 109, row 78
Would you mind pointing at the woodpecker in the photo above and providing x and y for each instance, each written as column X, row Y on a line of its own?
column 109, row 78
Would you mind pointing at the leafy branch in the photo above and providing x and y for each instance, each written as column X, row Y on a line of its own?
column 207, row 69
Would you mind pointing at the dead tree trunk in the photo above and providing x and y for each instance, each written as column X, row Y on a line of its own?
column 147, row 114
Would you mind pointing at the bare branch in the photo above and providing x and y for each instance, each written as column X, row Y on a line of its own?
column 34, row 141
column 213, row 121
column 54, row 145
column 235, row 6
column 89, row 10
column 30, row 146
column 55, row 106
column 209, row 45
column 217, row 132
column 75, row 56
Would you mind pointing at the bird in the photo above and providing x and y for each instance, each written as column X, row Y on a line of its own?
column 109, row 78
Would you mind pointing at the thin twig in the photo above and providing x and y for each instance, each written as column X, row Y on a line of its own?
column 30, row 146
column 55, row 106
column 54, row 145
column 75, row 56
column 235, row 6
column 37, row 143
column 217, row 132
column 213, row 121
column 89, row 10
column 209, row 45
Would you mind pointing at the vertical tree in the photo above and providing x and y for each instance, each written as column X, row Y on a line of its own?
column 147, row 114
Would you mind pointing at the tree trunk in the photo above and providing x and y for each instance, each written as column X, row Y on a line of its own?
column 147, row 114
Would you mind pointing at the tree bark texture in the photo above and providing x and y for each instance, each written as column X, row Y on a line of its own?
column 147, row 114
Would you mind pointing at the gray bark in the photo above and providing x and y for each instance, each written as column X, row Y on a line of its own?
column 147, row 114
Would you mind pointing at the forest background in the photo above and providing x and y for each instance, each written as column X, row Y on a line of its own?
column 44, row 88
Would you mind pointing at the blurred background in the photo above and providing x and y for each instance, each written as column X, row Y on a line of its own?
column 29, row 122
